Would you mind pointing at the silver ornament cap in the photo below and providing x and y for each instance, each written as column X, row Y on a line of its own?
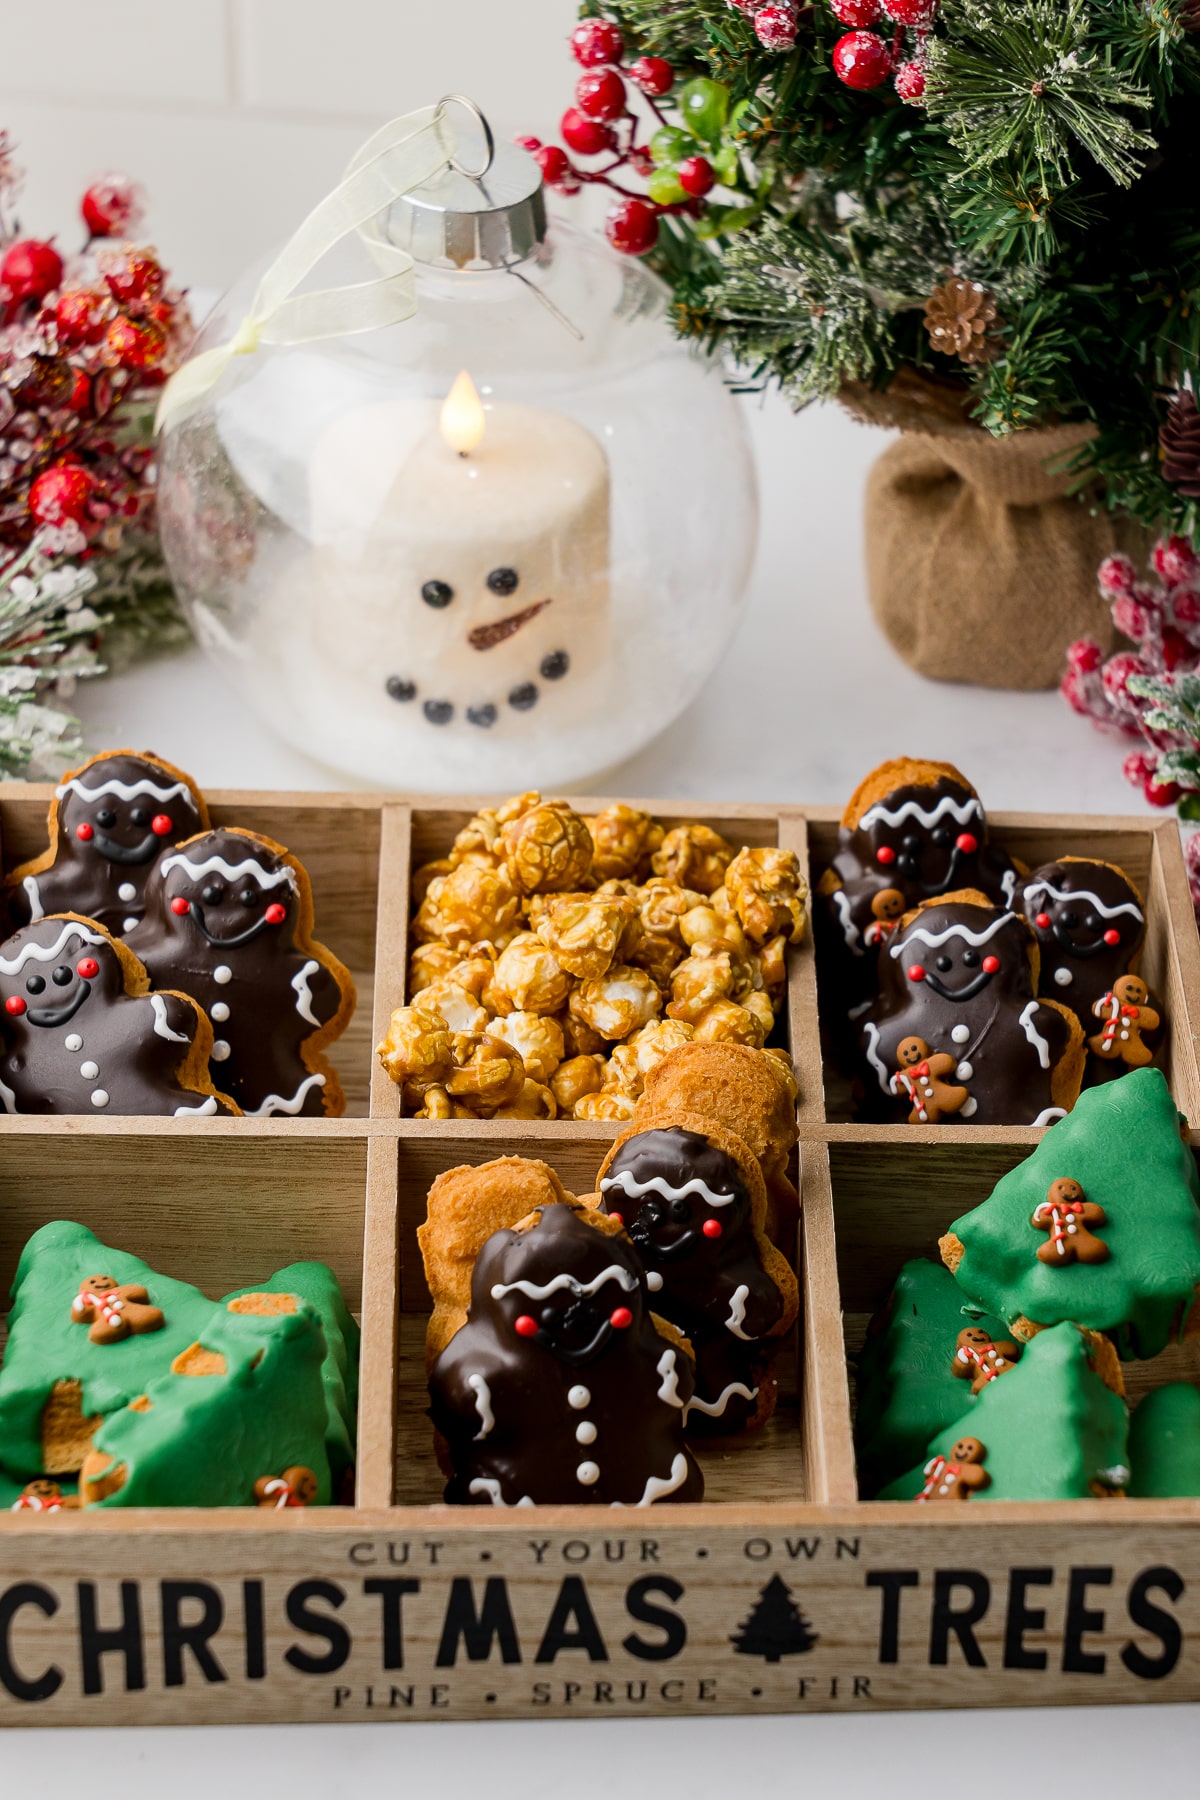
column 484, row 211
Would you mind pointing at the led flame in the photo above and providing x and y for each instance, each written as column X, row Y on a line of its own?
column 462, row 419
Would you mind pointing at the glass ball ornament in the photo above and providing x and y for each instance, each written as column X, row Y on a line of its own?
column 499, row 545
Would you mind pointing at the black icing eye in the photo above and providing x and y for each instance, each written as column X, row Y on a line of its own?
column 139, row 816
column 1092, row 922
column 549, row 1316
column 63, row 975
column 249, row 896
column 911, row 842
column 35, row 984
column 970, row 959
column 105, row 818
column 1070, row 919
column 503, row 581
column 680, row 1209
column 437, row 593
column 944, row 962
column 213, row 894
column 942, row 837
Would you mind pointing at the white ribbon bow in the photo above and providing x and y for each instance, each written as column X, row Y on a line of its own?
column 399, row 157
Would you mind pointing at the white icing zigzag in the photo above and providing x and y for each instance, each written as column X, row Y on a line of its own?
column 947, row 807
column 850, row 931
column 1084, row 897
column 231, row 871
column 1050, row 1116
column 488, row 1484
column 934, row 939
column 668, row 1390
column 1035, row 1037
column 36, row 909
column 208, row 1105
column 45, row 953
column 629, row 1184
column 737, row 1314
column 714, row 1408
column 657, row 1488
column 161, row 1028
column 532, row 1291
column 275, row 1103
column 873, row 1057
column 483, row 1405
column 304, row 993
column 1008, row 886
column 126, row 790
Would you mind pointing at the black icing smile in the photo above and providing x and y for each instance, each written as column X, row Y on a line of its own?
column 227, row 943
column 50, row 1016
column 1084, row 952
column 127, row 853
column 642, row 1232
column 908, row 862
column 963, row 993
column 575, row 1353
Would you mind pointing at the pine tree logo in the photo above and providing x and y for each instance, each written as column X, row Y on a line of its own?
column 776, row 1626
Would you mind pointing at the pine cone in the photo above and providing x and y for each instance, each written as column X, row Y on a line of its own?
column 1179, row 443
column 958, row 318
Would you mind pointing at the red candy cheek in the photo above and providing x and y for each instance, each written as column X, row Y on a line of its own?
column 275, row 914
column 1112, row 939
column 966, row 843
column 180, row 906
column 885, row 854
column 87, row 967
column 712, row 1228
column 619, row 1217
column 14, row 1005
column 1043, row 921
column 85, row 832
column 916, row 972
column 620, row 1318
column 525, row 1326
column 990, row 964
column 162, row 824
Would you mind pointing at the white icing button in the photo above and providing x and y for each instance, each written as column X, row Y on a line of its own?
column 587, row 1473
column 222, row 973
column 89, row 1070
column 585, row 1432
column 653, row 1280
column 970, row 1106
column 74, row 1041
column 128, row 924
column 127, row 891
column 219, row 1012
column 1063, row 977
column 964, row 1071
column 220, row 1050
column 961, row 1033
column 579, row 1397
column 99, row 1097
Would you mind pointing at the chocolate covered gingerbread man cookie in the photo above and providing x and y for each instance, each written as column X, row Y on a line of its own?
column 80, row 1030
column 229, row 919
column 110, row 821
column 961, row 976
column 691, row 1195
column 561, row 1387
column 912, row 829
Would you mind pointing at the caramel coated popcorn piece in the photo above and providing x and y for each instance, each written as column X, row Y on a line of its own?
column 695, row 856
column 656, row 1040
column 429, row 963
column 772, row 963
column 726, row 1021
column 577, row 1076
column 617, row 1003
column 456, row 1005
column 418, row 1049
column 585, row 931
column 437, row 1104
column 578, row 1038
column 662, row 905
column 424, row 877
column 535, row 1101
column 712, row 972
column 487, row 1073
column 768, row 893
column 539, row 1040
column 623, row 842
column 471, row 905
column 610, row 1103
column 529, row 976
column 547, row 849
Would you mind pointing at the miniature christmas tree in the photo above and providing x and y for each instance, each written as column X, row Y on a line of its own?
column 1164, row 1444
column 776, row 1626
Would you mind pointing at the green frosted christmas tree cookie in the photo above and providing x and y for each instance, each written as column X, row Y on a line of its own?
column 1164, row 1444
column 1099, row 1225
column 914, row 1376
column 1053, row 1429
column 239, row 1412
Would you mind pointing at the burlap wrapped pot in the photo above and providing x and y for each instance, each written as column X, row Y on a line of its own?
column 981, row 566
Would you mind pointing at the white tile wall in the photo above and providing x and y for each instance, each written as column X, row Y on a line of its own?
column 237, row 115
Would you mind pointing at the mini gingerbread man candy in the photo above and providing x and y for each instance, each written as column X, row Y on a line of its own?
column 957, row 1476
column 296, row 1487
column 1068, row 1217
column 921, row 1076
column 886, row 908
column 980, row 1358
column 44, row 1496
column 113, row 1310
column 109, row 823
column 229, row 919
column 80, row 1031
column 1126, row 1013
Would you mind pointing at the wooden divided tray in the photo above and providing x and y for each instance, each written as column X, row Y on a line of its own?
column 404, row 1608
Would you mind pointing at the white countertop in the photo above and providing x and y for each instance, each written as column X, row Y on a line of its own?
column 808, row 700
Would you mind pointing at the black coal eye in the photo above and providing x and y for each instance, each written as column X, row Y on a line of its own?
column 399, row 689
column 680, row 1209
column 106, row 818
column 503, row 581
column 1070, row 920
column 63, row 975
column 549, row 1315
column 555, row 666
column 911, row 842
column 249, row 896
column 139, row 816
column 970, row 958
column 213, row 894
column 437, row 593
column 941, row 836
column 943, row 963
column 1092, row 922
column 35, row 984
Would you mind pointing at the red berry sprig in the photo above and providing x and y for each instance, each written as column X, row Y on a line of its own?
column 864, row 60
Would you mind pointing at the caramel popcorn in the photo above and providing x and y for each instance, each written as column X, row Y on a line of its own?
column 585, row 931
column 480, row 837
column 658, row 956
column 656, row 1040
column 609, row 1104
column 539, row 1040
column 486, row 1074
column 579, row 1039
column 695, row 856
column 712, row 972
column 530, row 977
column 547, row 849
column 471, row 905
column 535, row 1101
column 623, row 841
column 705, row 925
column 618, row 1002
column 768, row 893
column 662, row 905
column 772, row 963
column 437, row 1104
column 428, row 873
column 457, row 1006
column 418, row 1048
column 429, row 963
column 572, row 1079
column 726, row 1020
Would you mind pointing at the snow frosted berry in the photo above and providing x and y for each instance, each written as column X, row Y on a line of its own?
column 632, row 227
column 862, row 60
column 31, row 269
column 596, row 42
column 775, row 27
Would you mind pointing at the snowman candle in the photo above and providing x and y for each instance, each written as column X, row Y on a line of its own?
column 464, row 557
